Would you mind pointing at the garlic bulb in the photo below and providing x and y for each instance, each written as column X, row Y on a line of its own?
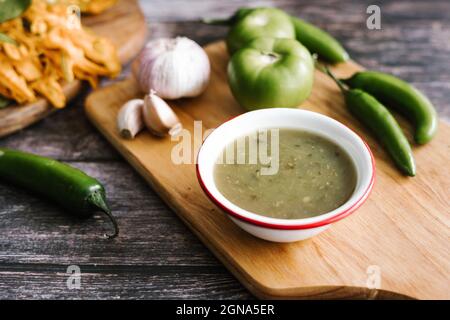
column 159, row 117
column 174, row 68
column 130, row 120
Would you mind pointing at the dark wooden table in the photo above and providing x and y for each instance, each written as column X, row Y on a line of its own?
column 156, row 256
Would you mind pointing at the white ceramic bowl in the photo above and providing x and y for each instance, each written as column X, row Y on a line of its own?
column 286, row 230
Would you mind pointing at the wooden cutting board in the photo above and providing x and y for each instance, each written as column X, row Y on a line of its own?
column 130, row 33
column 401, row 233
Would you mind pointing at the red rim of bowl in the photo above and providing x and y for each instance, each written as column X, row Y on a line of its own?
column 336, row 217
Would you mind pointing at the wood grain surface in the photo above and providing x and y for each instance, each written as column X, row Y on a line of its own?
column 129, row 37
column 404, row 236
column 158, row 257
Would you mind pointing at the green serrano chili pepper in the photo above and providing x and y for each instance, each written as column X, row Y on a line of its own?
column 250, row 23
column 69, row 187
column 319, row 42
column 380, row 121
column 401, row 96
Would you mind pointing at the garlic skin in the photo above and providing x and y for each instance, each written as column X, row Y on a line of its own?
column 175, row 68
column 159, row 117
column 130, row 118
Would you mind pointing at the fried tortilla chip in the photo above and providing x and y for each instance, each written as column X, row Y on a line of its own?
column 50, row 88
column 52, row 48
column 12, row 83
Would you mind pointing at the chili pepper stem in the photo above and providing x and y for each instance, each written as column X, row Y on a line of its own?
column 96, row 199
column 115, row 225
column 339, row 83
column 323, row 68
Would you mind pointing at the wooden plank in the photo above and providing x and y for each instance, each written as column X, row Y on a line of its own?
column 135, row 282
column 65, row 135
column 403, row 225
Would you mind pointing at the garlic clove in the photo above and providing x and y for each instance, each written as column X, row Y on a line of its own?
column 159, row 117
column 130, row 119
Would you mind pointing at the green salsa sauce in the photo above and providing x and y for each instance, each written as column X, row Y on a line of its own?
column 313, row 175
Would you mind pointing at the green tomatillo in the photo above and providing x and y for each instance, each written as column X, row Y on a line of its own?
column 260, row 22
column 271, row 73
